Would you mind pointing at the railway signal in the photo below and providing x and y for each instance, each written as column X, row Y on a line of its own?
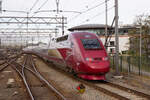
column 81, row 88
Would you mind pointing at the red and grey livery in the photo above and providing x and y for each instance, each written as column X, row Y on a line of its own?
column 81, row 53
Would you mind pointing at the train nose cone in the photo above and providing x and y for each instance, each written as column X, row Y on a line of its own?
column 101, row 67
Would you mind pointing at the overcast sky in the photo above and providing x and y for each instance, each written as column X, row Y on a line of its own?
column 128, row 10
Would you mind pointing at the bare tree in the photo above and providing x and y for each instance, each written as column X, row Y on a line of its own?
column 143, row 22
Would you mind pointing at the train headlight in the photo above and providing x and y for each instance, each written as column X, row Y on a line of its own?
column 105, row 58
column 89, row 59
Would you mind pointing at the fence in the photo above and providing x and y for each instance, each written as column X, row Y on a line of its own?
column 132, row 64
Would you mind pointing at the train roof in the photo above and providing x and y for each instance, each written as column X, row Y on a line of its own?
column 89, row 26
column 65, row 37
column 79, row 34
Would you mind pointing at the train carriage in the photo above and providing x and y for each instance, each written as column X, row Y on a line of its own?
column 81, row 53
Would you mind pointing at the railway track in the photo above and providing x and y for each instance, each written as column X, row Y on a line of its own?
column 3, row 66
column 27, row 68
column 144, row 95
column 111, row 89
column 6, row 59
column 117, row 91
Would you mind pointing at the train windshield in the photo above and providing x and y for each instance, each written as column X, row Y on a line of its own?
column 91, row 44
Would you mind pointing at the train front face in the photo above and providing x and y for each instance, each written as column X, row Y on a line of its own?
column 94, row 62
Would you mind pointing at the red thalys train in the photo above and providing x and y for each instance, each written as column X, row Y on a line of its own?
column 81, row 53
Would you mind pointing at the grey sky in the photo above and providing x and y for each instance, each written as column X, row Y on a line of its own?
column 128, row 9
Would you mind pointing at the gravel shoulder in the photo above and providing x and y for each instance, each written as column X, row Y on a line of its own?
column 140, row 83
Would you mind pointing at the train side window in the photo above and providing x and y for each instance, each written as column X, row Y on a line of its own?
column 63, row 38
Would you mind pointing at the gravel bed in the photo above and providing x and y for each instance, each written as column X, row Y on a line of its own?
column 10, row 89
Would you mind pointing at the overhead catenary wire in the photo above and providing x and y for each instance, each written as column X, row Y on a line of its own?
column 34, row 5
column 40, row 7
column 95, row 6
column 91, row 8
column 59, row 11
column 30, row 9
column 98, row 14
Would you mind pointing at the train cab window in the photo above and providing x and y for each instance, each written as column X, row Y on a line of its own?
column 91, row 44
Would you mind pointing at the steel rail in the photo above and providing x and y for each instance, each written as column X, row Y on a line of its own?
column 128, row 89
column 21, row 73
column 34, row 72
column 48, row 84
column 101, row 89
column 144, row 95
column 5, row 64
column 24, row 79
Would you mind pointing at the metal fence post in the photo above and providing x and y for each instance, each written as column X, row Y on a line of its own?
column 139, row 64
column 113, row 61
column 121, row 63
column 128, row 59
